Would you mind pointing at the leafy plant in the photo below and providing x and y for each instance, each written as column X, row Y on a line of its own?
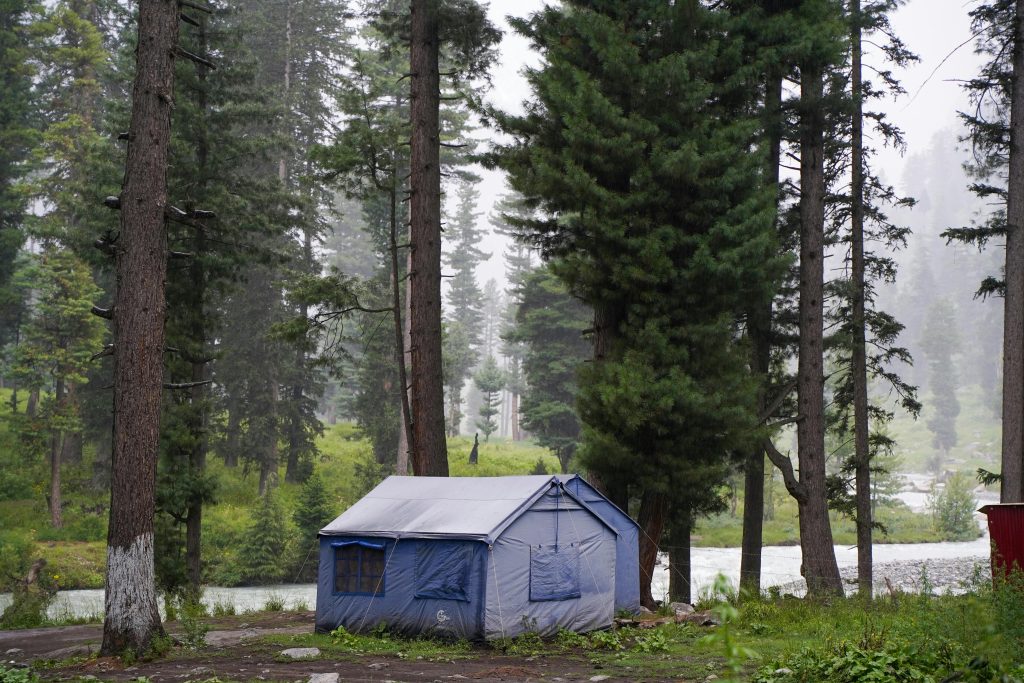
column 341, row 637
column 651, row 641
column 570, row 639
column 736, row 655
column 16, row 675
column 607, row 640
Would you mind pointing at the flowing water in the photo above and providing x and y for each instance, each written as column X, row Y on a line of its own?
column 780, row 566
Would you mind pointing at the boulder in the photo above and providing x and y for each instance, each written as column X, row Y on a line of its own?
column 301, row 652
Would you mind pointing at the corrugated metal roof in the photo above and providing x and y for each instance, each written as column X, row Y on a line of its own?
column 471, row 508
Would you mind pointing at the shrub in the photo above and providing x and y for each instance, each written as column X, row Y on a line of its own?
column 953, row 508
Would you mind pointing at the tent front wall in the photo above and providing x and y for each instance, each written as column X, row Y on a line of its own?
column 627, row 551
column 411, row 566
column 529, row 582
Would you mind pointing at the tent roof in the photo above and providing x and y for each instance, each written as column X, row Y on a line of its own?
column 469, row 508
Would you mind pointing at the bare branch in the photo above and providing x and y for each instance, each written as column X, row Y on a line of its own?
column 106, row 313
column 196, row 58
column 108, row 350
column 186, row 385
column 785, row 465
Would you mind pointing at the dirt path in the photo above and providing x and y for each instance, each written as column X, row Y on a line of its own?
column 234, row 652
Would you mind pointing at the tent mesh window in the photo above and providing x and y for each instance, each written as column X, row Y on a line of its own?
column 359, row 568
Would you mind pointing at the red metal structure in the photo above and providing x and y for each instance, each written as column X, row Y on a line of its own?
column 1006, row 529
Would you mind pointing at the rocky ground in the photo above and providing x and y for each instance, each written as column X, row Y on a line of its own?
column 916, row 576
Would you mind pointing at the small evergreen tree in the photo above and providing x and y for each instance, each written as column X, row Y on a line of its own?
column 313, row 511
column 941, row 342
column 264, row 558
column 550, row 325
column 489, row 380
column 58, row 341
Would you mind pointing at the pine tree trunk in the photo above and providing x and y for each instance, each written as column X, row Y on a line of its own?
column 430, row 450
column 199, row 417
column 197, row 463
column 859, row 364
column 819, row 561
column 131, row 620
column 651, row 518
column 679, row 574
column 759, row 330
column 1012, row 485
column 405, row 435
column 56, row 505
column 513, row 403
column 232, row 436
column 33, row 402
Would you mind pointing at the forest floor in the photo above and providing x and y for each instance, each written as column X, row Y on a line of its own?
column 248, row 648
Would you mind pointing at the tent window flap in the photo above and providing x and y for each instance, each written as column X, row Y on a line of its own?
column 442, row 570
column 554, row 572
column 359, row 568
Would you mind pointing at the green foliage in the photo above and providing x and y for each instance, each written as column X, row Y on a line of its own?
column 940, row 344
column 264, row 559
column 636, row 150
column 953, row 507
column 735, row 654
column 30, row 600
column 550, row 324
column 17, row 675
column 273, row 603
column 490, row 380
column 223, row 609
column 194, row 628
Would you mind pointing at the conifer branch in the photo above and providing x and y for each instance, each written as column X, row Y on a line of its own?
column 196, row 58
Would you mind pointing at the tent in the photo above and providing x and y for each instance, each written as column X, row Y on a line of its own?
column 472, row 557
column 627, row 550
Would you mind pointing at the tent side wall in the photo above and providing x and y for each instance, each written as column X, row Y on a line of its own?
column 430, row 586
column 553, row 568
column 627, row 547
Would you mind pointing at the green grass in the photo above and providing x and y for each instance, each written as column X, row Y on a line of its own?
column 940, row 634
column 498, row 457
column 978, row 435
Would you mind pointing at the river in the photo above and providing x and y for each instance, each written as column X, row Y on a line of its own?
column 780, row 565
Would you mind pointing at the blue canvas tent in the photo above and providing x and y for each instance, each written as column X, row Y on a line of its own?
column 471, row 557
column 627, row 550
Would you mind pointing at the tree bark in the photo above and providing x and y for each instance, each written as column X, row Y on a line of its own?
column 759, row 325
column 232, row 436
column 131, row 620
column 1012, row 485
column 679, row 574
column 820, row 569
column 55, row 504
column 859, row 362
column 199, row 417
column 651, row 518
column 430, row 450
column 406, row 434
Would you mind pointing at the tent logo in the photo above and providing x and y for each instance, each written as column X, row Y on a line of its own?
column 442, row 616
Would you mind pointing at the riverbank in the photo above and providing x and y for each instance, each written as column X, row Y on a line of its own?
column 910, row 567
